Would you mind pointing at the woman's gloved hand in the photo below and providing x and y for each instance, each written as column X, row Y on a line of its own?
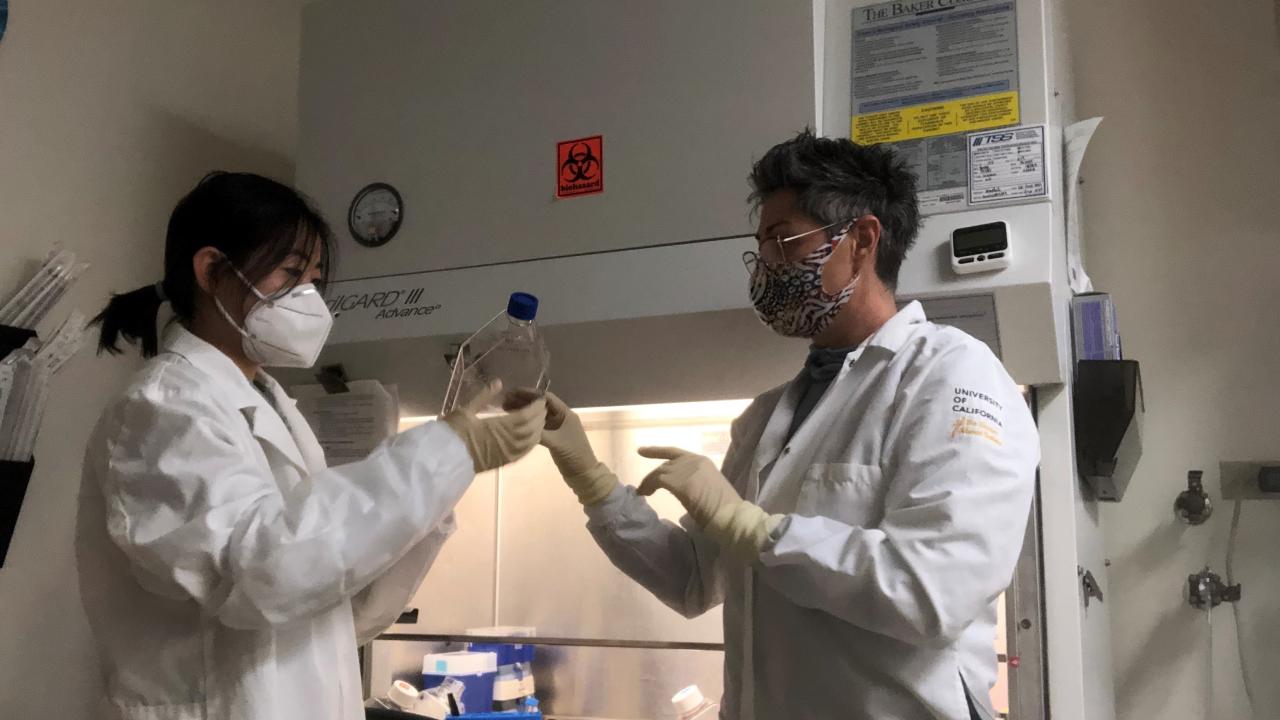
column 564, row 436
column 501, row 439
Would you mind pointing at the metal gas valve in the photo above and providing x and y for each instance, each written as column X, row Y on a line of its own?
column 1193, row 506
column 1206, row 590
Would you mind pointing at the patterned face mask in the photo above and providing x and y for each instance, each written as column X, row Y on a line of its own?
column 788, row 297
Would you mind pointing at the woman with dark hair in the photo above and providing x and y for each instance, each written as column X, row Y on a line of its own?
column 226, row 571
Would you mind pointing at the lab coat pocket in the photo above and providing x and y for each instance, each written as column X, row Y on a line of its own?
column 852, row 494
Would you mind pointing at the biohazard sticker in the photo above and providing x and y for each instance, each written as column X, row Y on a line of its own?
column 580, row 167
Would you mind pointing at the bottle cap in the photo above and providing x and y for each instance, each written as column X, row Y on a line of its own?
column 403, row 694
column 522, row 306
column 688, row 700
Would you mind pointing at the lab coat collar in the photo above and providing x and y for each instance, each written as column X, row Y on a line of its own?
column 265, row 422
column 773, row 446
column 230, row 382
column 312, row 454
column 898, row 330
column 891, row 336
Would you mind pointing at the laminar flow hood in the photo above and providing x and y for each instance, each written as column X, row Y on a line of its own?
column 465, row 108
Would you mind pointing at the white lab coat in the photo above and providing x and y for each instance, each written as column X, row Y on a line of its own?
column 226, row 573
column 906, row 494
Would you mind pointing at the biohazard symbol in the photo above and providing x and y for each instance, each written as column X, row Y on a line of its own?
column 580, row 167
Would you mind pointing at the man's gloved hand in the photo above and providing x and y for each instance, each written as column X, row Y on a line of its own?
column 740, row 527
column 693, row 479
column 496, row 441
column 566, row 439
column 564, row 436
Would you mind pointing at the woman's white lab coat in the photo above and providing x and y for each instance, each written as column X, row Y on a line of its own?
column 906, row 493
column 226, row 572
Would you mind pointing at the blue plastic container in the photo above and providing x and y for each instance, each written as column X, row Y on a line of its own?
column 475, row 670
column 515, row 671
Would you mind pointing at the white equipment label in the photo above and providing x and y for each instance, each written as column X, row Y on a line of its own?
column 941, row 170
column 974, row 314
column 1007, row 165
column 352, row 424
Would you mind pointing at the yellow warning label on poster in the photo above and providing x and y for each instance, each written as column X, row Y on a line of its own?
column 920, row 121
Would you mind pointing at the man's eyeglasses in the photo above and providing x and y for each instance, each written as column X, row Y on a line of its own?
column 776, row 250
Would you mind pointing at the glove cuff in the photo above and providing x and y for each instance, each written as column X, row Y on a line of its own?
column 462, row 425
column 571, row 465
column 593, row 486
column 741, row 529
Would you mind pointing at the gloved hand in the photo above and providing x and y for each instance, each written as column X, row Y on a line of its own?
column 740, row 527
column 496, row 441
column 563, row 435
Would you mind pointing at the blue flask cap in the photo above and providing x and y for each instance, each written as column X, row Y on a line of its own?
column 522, row 306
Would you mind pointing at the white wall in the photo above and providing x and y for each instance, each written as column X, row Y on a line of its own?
column 1183, row 223
column 109, row 111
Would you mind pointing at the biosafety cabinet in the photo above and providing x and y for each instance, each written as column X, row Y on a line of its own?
column 595, row 153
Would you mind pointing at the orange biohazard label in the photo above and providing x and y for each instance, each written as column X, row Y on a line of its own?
column 580, row 167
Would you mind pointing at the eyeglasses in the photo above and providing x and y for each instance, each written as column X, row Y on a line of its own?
column 775, row 251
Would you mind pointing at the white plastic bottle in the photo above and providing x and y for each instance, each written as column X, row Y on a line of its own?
column 403, row 697
column 400, row 696
column 508, row 348
column 691, row 705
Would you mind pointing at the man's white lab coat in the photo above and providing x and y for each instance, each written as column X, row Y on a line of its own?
column 906, row 493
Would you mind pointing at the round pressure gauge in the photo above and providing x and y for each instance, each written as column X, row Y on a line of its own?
column 375, row 215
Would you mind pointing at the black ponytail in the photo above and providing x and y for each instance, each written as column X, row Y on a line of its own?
column 254, row 222
column 131, row 316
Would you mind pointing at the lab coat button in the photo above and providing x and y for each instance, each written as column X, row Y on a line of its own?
column 786, row 450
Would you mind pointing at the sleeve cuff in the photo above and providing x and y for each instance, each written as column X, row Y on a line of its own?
column 776, row 526
column 612, row 507
column 449, row 461
column 451, row 447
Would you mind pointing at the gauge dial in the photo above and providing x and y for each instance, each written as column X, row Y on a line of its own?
column 375, row 215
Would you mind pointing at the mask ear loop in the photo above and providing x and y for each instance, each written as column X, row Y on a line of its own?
column 253, row 289
column 844, row 232
column 836, row 239
column 231, row 321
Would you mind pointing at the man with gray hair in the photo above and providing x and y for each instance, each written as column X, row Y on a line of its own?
column 868, row 513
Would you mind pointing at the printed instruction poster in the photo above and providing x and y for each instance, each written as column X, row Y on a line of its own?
column 925, row 74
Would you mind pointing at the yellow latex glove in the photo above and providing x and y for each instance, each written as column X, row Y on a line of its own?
column 740, row 527
column 496, row 441
column 565, row 438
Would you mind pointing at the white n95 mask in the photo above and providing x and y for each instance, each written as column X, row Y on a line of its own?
column 286, row 331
